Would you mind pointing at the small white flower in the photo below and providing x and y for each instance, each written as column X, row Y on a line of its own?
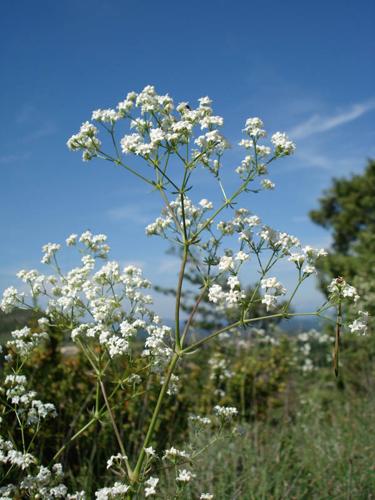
column 150, row 451
column 226, row 263
column 115, row 458
column 173, row 453
column 11, row 297
column 151, row 483
column 283, row 145
column 272, row 283
column 270, row 301
column 225, row 411
column 360, row 325
column 216, row 294
column 207, row 205
column 241, row 256
column 200, row 420
column 71, row 240
column 267, row 184
column 185, row 476
column 49, row 251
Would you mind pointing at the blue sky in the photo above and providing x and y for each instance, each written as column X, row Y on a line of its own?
column 303, row 67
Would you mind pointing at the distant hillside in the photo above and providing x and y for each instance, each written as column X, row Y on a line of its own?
column 13, row 321
column 301, row 324
column 293, row 325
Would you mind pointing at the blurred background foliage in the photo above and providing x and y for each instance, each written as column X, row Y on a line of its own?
column 347, row 210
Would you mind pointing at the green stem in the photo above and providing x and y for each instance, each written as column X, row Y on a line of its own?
column 137, row 470
column 115, row 428
column 228, row 201
column 178, row 296
column 337, row 339
column 73, row 438
column 116, row 161
column 240, row 323
column 192, row 314
column 168, row 205
column 264, row 271
column 287, row 305
column 98, row 414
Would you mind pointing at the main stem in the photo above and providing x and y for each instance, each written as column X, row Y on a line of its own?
column 138, row 468
column 337, row 339
column 178, row 297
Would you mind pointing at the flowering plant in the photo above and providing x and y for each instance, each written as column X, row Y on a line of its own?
column 106, row 310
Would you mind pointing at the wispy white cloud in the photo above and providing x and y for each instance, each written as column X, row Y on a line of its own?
column 318, row 123
column 133, row 212
column 45, row 130
column 343, row 163
column 14, row 158
column 25, row 114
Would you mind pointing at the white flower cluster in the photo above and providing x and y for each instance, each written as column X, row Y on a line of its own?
column 173, row 384
column 274, row 289
column 226, row 299
column 11, row 298
column 150, row 452
column 24, row 341
column 250, row 165
column 253, row 243
column 283, row 145
column 243, row 224
column 202, row 421
column 156, row 346
column 174, row 454
column 9, row 455
column 44, row 483
column 150, row 489
column 254, row 128
column 29, row 409
column 360, row 325
column 86, row 140
column 190, row 215
column 306, row 258
column 267, row 238
column 82, row 293
column 321, row 338
column 225, row 412
column 308, row 365
column 185, row 476
column 115, row 460
column 219, row 370
column 278, row 241
column 49, row 250
column 305, row 345
column 158, row 125
column 339, row 289
column 117, row 491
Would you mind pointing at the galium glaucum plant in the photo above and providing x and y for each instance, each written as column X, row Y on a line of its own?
column 107, row 311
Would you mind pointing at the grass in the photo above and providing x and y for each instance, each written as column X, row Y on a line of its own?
column 322, row 453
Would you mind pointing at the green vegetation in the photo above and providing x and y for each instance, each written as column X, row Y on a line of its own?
column 347, row 210
column 300, row 432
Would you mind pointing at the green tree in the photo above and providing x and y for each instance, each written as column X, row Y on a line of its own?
column 347, row 210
